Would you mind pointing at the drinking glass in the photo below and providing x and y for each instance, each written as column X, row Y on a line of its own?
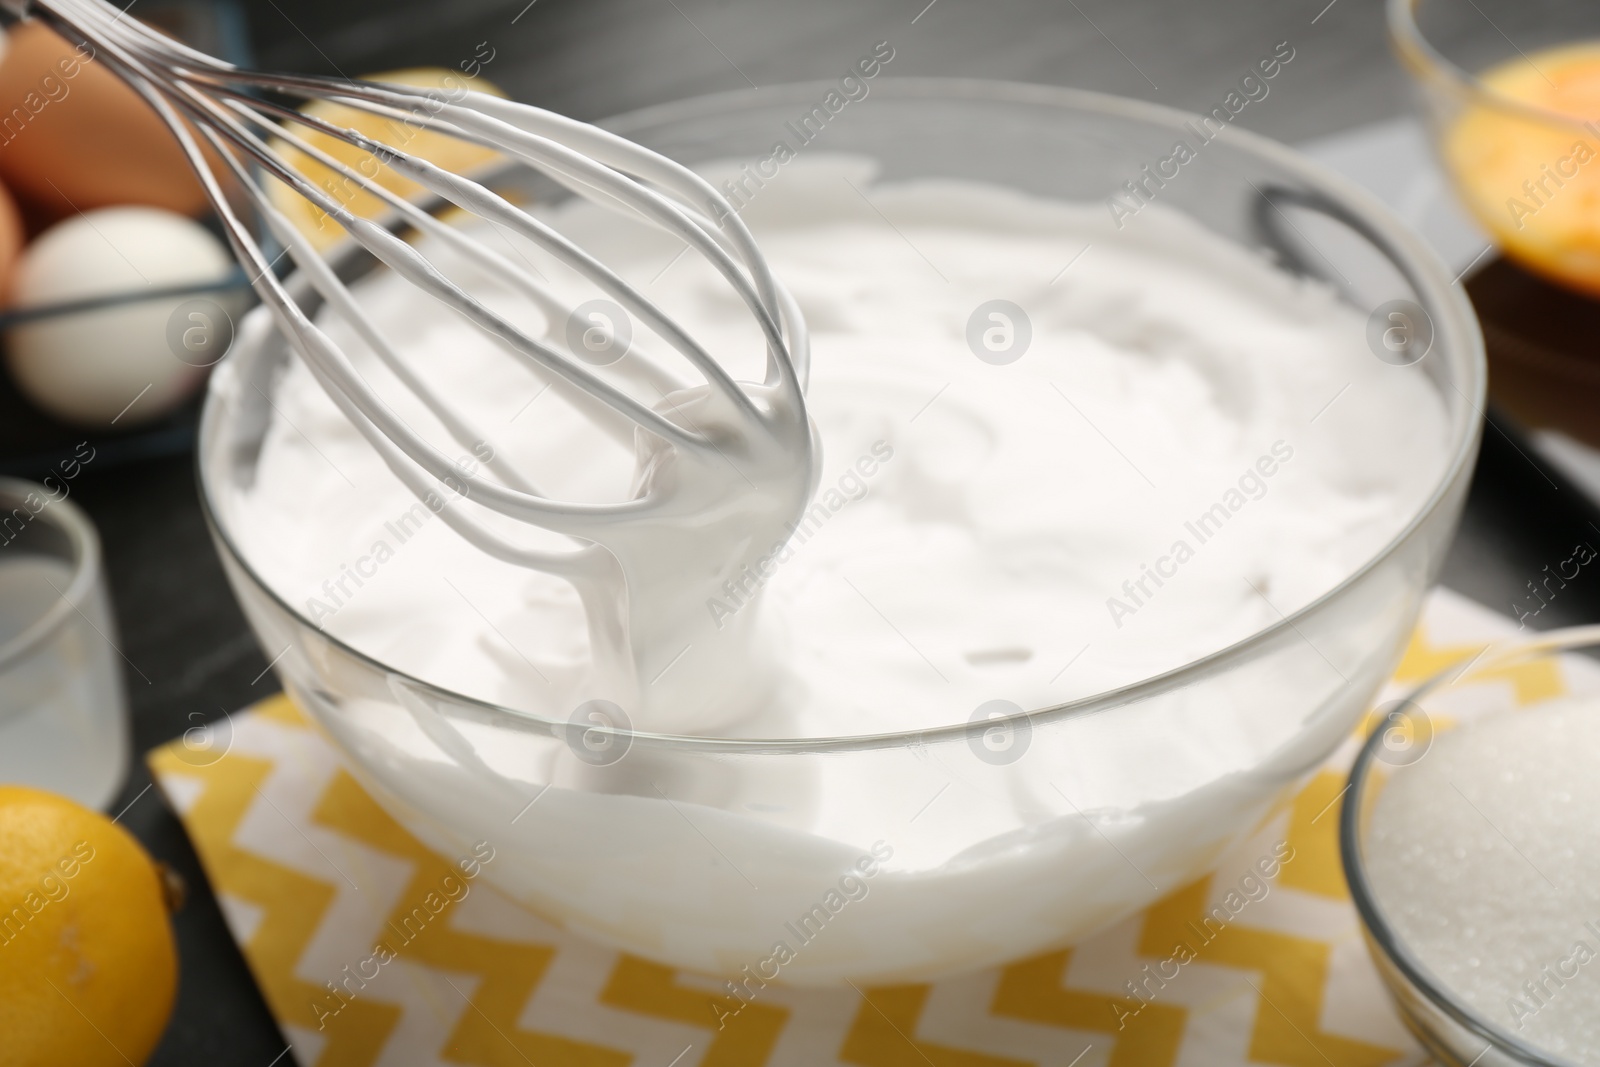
column 63, row 712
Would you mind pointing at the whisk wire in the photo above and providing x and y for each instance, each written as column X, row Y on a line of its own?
column 234, row 128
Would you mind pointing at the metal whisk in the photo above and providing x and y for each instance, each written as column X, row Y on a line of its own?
column 699, row 446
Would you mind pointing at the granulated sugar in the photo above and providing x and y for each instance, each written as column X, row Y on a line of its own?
column 1485, row 857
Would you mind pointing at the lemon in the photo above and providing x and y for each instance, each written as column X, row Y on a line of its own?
column 88, row 969
column 406, row 134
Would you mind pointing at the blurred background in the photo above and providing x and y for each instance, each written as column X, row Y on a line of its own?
column 591, row 60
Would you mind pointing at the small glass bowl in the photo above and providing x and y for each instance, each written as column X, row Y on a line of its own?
column 1530, row 175
column 1454, row 1032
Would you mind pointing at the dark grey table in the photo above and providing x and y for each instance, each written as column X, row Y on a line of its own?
column 591, row 58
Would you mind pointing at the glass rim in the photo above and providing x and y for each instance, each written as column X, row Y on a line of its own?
column 1504, row 652
column 70, row 520
column 1427, row 272
column 1424, row 60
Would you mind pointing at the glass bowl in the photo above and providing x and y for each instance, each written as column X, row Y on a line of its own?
column 1529, row 173
column 699, row 852
column 1451, row 1029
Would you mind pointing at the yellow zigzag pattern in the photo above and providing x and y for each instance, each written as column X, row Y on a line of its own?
column 881, row 1035
column 294, row 905
column 651, row 989
column 1293, row 973
column 1035, row 990
column 1534, row 681
column 1294, row 970
column 508, row 972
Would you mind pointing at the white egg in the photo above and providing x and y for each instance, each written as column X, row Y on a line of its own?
column 126, row 363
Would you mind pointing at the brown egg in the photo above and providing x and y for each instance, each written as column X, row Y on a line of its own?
column 11, row 240
column 74, row 138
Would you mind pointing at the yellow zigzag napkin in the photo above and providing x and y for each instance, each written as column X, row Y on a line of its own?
column 324, row 892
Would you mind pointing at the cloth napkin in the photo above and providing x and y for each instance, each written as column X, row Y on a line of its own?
column 313, row 877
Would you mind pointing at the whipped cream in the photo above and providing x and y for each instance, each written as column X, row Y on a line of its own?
column 1192, row 445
